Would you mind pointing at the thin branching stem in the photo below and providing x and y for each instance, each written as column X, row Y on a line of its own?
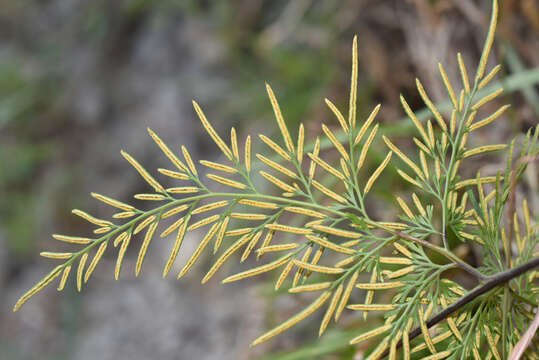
column 120, row 228
column 452, row 161
column 446, row 253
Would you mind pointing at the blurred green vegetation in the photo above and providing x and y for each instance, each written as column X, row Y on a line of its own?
column 24, row 152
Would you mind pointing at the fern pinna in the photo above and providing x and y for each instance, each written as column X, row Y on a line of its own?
column 335, row 247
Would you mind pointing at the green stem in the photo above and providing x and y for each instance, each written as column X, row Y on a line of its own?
column 455, row 146
column 473, row 325
column 409, row 304
column 174, row 202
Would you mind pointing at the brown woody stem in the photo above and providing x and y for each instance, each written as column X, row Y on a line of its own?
column 492, row 282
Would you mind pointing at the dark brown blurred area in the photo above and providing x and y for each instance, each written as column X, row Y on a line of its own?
column 81, row 80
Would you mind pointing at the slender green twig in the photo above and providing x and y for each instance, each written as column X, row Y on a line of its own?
column 446, row 253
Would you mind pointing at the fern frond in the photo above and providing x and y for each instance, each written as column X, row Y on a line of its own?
column 332, row 244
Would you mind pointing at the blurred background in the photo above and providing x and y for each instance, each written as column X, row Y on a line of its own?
column 80, row 80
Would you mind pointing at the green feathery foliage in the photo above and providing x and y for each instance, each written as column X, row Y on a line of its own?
column 337, row 247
